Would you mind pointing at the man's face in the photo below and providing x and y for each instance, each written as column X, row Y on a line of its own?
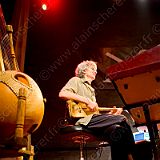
column 91, row 72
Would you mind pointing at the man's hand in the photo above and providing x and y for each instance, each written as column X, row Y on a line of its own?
column 116, row 111
column 92, row 105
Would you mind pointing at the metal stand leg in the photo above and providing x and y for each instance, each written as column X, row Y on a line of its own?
column 81, row 140
column 81, row 150
column 152, row 131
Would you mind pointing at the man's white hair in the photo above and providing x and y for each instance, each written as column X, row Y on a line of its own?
column 80, row 69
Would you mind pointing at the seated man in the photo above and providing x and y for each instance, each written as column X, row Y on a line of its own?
column 111, row 126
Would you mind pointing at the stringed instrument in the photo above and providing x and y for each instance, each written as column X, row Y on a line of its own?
column 80, row 110
column 21, row 100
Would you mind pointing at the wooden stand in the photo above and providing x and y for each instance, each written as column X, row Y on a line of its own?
column 21, row 147
column 28, row 151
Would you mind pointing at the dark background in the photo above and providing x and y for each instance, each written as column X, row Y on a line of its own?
column 58, row 41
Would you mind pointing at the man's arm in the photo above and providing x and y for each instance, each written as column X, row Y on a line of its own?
column 67, row 95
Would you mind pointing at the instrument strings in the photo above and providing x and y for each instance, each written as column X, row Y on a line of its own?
column 6, row 50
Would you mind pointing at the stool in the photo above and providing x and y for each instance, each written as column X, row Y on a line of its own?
column 78, row 134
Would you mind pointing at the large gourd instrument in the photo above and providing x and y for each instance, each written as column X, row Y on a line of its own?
column 21, row 101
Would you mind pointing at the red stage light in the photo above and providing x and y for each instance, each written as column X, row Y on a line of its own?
column 54, row 5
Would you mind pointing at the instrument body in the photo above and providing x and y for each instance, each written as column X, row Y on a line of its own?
column 80, row 110
column 10, row 83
